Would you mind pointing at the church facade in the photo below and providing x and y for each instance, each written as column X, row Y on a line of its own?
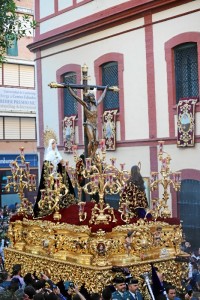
column 151, row 51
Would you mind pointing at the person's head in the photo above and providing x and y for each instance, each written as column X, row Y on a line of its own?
column 106, row 294
column 160, row 276
column 53, row 144
column 51, row 296
column 76, row 297
column 171, row 292
column 135, row 171
column 16, row 269
column 91, row 98
column 39, row 284
column 119, row 283
column 20, row 295
column 14, row 284
column 30, row 291
column 28, row 279
column 3, row 276
column 95, row 296
column 133, row 285
column 136, row 178
column 38, row 296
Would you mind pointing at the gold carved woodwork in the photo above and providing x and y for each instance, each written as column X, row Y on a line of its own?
column 94, row 277
column 78, row 244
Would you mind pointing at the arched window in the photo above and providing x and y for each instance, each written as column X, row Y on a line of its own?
column 189, row 209
column 70, row 104
column 186, row 70
column 110, row 77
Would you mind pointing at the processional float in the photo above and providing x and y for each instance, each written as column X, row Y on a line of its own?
column 85, row 241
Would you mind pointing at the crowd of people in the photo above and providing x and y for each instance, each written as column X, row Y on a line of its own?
column 40, row 287
column 34, row 286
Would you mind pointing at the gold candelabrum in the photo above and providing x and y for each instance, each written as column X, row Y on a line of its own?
column 54, row 190
column 167, row 179
column 101, row 179
column 21, row 179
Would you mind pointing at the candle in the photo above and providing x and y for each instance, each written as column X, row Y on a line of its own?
column 164, row 165
column 179, row 176
column 13, row 167
column 81, row 206
column 161, row 143
column 107, row 177
column 48, row 182
column 21, row 150
column 154, row 176
column 9, row 179
column 88, row 163
column 110, row 178
column 74, row 149
column 113, row 161
column 125, row 208
column 29, row 178
column 34, row 179
column 96, row 180
column 122, row 166
column 27, row 166
column 102, row 144
column 42, row 194
column 51, row 169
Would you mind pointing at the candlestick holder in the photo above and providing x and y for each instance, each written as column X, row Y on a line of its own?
column 102, row 179
column 54, row 190
column 165, row 178
column 21, row 179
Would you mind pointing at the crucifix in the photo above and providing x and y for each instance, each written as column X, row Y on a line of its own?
column 90, row 105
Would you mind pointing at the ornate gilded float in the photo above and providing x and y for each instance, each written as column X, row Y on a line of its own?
column 87, row 242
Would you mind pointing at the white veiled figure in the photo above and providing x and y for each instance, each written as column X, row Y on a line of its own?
column 52, row 155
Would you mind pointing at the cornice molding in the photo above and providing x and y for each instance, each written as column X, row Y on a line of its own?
column 102, row 20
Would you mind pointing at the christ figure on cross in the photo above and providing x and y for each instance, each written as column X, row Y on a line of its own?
column 91, row 113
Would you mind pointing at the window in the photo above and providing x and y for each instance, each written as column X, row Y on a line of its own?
column 189, row 209
column 110, row 77
column 70, row 104
column 12, row 50
column 18, row 128
column 186, row 70
column 17, row 75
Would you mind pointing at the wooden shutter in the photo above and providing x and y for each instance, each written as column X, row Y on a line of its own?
column 11, row 74
column 27, row 76
column 28, row 128
column 1, row 128
column 1, row 68
column 12, row 128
